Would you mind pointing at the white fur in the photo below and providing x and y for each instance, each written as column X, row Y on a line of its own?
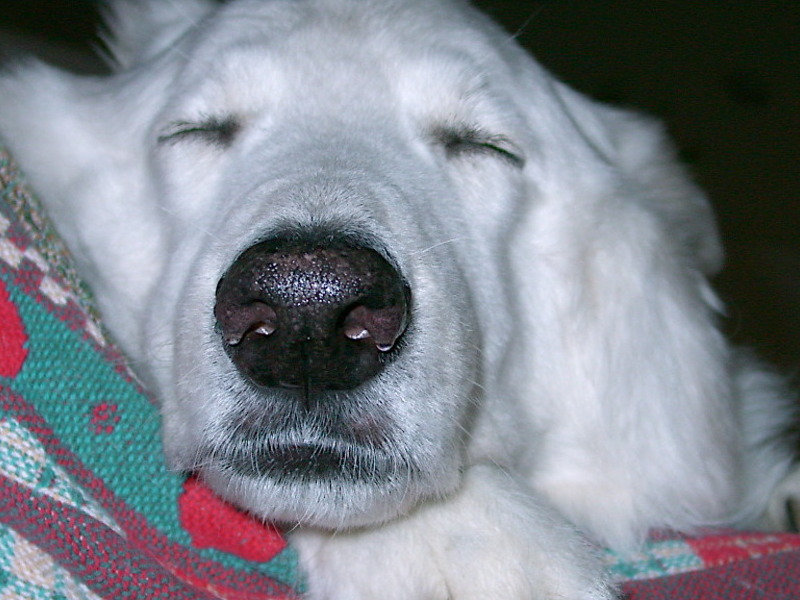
column 563, row 367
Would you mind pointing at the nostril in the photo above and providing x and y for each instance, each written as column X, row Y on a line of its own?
column 312, row 314
column 381, row 325
column 238, row 319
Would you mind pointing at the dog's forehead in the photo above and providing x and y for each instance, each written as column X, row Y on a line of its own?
column 389, row 22
column 318, row 48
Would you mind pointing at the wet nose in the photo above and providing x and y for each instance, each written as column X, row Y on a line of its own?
column 311, row 314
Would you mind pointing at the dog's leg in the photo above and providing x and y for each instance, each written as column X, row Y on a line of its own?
column 783, row 511
column 770, row 417
column 492, row 539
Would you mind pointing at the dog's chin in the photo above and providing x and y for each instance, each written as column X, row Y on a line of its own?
column 317, row 485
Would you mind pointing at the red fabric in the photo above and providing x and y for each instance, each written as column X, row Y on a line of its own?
column 12, row 337
column 212, row 523
column 774, row 577
column 725, row 548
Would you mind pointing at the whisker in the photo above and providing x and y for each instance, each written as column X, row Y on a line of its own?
column 438, row 245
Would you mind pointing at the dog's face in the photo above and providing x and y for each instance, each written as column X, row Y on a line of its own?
column 437, row 202
column 324, row 129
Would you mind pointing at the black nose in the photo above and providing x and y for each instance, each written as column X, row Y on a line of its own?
column 311, row 314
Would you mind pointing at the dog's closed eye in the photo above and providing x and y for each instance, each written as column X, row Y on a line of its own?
column 470, row 141
column 219, row 131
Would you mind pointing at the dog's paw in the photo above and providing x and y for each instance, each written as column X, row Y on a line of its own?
column 490, row 540
column 783, row 511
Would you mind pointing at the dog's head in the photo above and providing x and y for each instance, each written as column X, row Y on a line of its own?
column 357, row 245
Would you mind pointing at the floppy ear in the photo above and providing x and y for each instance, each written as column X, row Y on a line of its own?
column 138, row 30
column 84, row 142
column 640, row 149
column 625, row 364
column 81, row 141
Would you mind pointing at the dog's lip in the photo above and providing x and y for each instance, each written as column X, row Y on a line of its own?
column 308, row 461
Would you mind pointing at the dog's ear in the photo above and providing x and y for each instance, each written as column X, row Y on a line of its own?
column 639, row 147
column 84, row 144
column 624, row 358
column 640, row 154
column 137, row 30
column 80, row 141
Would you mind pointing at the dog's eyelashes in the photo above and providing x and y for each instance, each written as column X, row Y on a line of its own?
column 459, row 142
column 217, row 131
column 513, row 158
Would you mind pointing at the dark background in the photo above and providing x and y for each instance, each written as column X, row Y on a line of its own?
column 724, row 76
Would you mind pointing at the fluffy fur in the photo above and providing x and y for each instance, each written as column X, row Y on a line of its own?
column 563, row 379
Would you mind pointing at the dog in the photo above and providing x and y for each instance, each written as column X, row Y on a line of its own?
column 399, row 288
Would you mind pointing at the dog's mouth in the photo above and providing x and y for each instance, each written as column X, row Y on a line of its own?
column 308, row 462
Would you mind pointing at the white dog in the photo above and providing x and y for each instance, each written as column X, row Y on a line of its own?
column 397, row 286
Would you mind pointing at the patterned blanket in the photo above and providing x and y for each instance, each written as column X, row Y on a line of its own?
column 88, row 509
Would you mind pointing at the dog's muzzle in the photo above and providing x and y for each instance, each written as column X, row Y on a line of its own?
column 311, row 314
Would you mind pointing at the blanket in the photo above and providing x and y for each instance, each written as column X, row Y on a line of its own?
column 89, row 510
